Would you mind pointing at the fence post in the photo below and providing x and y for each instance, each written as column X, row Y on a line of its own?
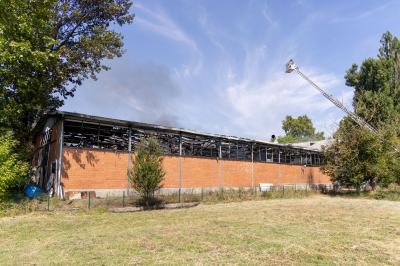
column 179, row 195
column 89, row 200
column 123, row 198
column 48, row 202
column 202, row 194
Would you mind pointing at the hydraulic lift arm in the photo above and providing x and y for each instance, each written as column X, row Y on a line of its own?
column 290, row 67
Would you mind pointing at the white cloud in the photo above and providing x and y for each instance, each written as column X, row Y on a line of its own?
column 160, row 23
column 259, row 101
column 242, row 89
column 210, row 30
column 267, row 14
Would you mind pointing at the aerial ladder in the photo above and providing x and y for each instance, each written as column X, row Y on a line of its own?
column 291, row 67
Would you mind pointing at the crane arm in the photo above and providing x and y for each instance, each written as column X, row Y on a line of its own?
column 290, row 67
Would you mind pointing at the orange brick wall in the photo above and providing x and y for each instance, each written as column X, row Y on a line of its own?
column 171, row 167
column 91, row 169
column 199, row 172
column 319, row 177
column 98, row 169
column 284, row 174
column 236, row 173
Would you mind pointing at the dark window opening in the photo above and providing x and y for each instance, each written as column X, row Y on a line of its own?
column 84, row 134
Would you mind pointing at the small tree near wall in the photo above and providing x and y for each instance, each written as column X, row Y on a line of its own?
column 13, row 169
column 148, row 174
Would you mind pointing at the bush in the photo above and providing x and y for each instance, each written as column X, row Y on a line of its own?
column 379, row 195
column 148, row 174
column 387, row 194
column 13, row 168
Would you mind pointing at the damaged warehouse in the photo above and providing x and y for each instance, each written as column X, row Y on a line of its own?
column 77, row 152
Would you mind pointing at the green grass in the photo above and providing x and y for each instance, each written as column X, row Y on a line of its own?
column 316, row 230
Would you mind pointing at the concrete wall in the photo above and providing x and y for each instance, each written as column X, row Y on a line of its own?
column 89, row 169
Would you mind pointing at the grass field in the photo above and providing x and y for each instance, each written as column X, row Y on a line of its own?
column 316, row 230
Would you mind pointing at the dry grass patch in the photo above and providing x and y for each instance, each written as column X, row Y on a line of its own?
column 318, row 230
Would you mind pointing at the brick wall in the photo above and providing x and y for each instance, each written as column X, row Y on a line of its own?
column 236, row 173
column 91, row 169
column 98, row 169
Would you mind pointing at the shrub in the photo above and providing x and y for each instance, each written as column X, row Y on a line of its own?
column 13, row 168
column 148, row 173
column 379, row 195
column 387, row 194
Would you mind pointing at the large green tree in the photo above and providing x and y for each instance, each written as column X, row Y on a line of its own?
column 358, row 156
column 376, row 85
column 299, row 129
column 47, row 48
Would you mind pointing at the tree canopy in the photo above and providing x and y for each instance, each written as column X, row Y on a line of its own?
column 47, row 48
column 376, row 85
column 358, row 156
column 299, row 129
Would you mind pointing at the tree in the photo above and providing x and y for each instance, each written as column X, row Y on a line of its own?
column 376, row 85
column 13, row 168
column 148, row 173
column 299, row 129
column 357, row 156
column 47, row 49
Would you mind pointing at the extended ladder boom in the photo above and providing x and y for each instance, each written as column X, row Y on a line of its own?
column 290, row 67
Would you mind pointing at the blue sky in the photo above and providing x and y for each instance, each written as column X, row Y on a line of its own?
column 218, row 66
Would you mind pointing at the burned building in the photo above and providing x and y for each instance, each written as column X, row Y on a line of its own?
column 77, row 152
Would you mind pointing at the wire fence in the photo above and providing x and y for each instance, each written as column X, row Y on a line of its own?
column 17, row 203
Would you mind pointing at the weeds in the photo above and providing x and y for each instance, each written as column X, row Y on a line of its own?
column 387, row 195
column 391, row 193
column 17, row 204
column 11, row 208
